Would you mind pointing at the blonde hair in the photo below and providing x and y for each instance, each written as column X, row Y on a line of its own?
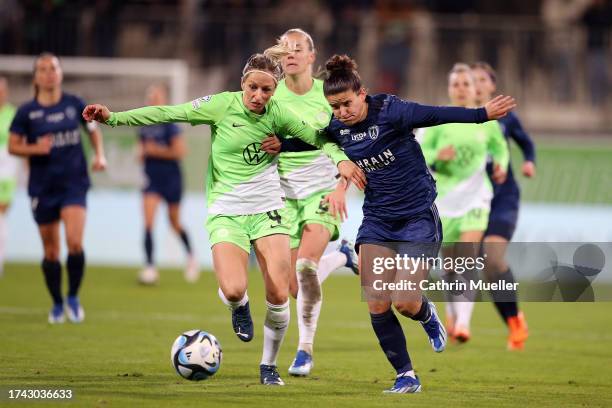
column 267, row 62
column 301, row 32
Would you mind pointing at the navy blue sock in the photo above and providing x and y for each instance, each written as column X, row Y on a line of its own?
column 53, row 278
column 148, row 244
column 391, row 339
column 185, row 239
column 424, row 313
column 76, row 269
column 505, row 300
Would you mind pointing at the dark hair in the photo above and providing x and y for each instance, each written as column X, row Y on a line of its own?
column 341, row 75
column 487, row 68
column 268, row 62
column 40, row 56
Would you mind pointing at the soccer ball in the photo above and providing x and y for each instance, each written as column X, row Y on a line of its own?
column 196, row 355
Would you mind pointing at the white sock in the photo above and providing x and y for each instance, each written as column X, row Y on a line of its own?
column 329, row 263
column 309, row 301
column 275, row 327
column 409, row 373
column 464, row 314
column 233, row 305
column 2, row 241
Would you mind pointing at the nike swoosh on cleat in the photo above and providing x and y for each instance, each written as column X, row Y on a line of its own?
column 243, row 334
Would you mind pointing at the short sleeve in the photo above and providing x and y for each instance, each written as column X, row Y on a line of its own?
column 20, row 124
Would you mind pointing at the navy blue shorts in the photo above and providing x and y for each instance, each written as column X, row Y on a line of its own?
column 47, row 207
column 504, row 215
column 422, row 228
column 171, row 190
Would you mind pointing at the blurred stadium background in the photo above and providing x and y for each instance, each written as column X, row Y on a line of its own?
column 554, row 56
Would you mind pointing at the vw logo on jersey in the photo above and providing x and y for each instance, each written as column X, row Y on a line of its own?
column 373, row 132
column 253, row 154
column 71, row 112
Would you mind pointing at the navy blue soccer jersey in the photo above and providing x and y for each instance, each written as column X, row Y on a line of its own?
column 65, row 167
column 399, row 185
column 160, row 170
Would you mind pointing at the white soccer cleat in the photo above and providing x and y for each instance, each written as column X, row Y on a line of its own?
column 192, row 270
column 74, row 310
column 56, row 314
column 148, row 276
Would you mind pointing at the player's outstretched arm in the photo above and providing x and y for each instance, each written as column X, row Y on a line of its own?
column 148, row 115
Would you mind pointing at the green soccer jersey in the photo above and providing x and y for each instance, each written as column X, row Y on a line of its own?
column 305, row 173
column 8, row 163
column 242, row 179
column 462, row 182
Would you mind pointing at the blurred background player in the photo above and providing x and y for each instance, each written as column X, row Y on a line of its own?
column 307, row 176
column 245, row 206
column 46, row 130
column 161, row 148
column 457, row 154
column 8, row 166
column 376, row 132
column 504, row 211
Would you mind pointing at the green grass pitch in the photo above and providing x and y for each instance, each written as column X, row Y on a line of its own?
column 119, row 356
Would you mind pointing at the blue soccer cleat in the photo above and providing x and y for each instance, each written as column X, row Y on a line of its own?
column 435, row 330
column 56, row 314
column 74, row 310
column 268, row 375
column 302, row 364
column 352, row 260
column 243, row 323
column 405, row 384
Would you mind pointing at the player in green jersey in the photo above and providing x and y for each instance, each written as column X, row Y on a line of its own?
column 307, row 178
column 8, row 165
column 457, row 153
column 245, row 205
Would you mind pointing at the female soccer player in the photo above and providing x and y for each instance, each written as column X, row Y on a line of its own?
column 8, row 165
column 245, row 205
column 161, row 148
column 46, row 130
column 307, row 177
column 376, row 133
column 457, row 153
column 504, row 211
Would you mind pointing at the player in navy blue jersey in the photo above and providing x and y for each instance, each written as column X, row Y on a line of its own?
column 46, row 130
column 504, row 211
column 376, row 132
column 161, row 148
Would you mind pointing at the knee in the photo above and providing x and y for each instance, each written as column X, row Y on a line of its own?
column 277, row 297
column 408, row 309
column 75, row 246
column 378, row 307
column 234, row 294
column 495, row 266
column 52, row 254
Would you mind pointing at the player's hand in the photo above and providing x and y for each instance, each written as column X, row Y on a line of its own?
column 446, row 153
column 97, row 112
column 337, row 202
column 529, row 169
column 271, row 145
column 499, row 106
column 499, row 174
column 99, row 163
column 44, row 144
column 352, row 173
